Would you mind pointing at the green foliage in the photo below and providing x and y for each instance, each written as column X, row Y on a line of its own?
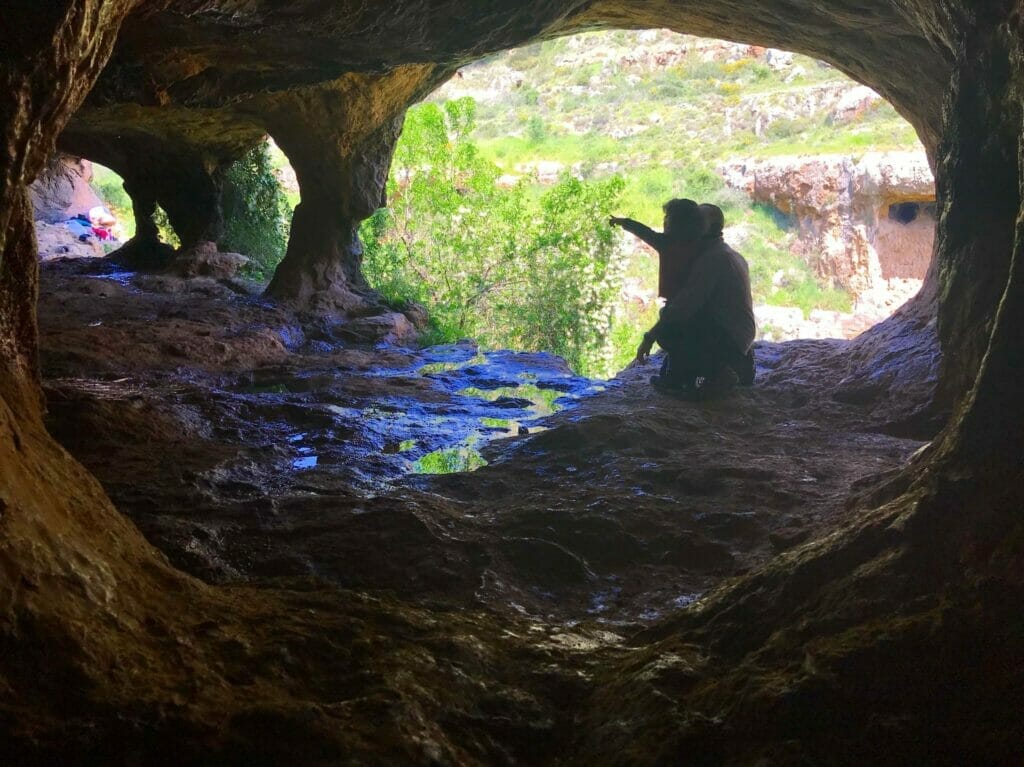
column 256, row 214
column 664, row 130
column 166, row 229
column 788, row 127
column 110, row 187
column 496, row 264
column 536, row 130
column 451, row 460
column 545, row 401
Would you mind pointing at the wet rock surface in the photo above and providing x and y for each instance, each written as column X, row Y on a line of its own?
column 244, row 449
column 897, row 639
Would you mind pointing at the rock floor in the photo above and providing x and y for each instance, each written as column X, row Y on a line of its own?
column 247, row 446
column 622, row 577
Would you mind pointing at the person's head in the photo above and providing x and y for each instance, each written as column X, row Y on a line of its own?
column 683, row 220
column 714, row 219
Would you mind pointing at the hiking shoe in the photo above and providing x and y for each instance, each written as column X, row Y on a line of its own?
column 717, row 386
column 673, row 386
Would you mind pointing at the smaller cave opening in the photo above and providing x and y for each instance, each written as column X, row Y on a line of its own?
column 904, row 239
column 904, row 212
column 82, row 209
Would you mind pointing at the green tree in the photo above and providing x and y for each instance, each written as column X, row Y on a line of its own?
column 494, row 262
column 256, row 213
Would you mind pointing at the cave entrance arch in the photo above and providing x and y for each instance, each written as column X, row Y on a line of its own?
column 69, row 558
column 809, row 164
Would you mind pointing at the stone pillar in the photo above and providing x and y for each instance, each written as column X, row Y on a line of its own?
column 339, row 138
column 186, row 185
column 322, row 266
column 144, row 210
column 179, row 176
column 188, row 188
column 981, row 244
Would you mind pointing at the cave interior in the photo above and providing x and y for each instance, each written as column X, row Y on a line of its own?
column 892, row 634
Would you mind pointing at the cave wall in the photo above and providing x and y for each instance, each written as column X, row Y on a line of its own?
column 979, row 248
column 84, row 602
column 76, row 578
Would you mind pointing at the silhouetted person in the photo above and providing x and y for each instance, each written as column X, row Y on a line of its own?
column 707, row 326
column 676, row 246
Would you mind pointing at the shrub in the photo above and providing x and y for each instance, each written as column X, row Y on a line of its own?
column 164, row 227
column 502, row 266
column 256, row 212
column 536, row 131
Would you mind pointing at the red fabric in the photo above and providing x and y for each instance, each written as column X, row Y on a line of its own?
column 101, row 233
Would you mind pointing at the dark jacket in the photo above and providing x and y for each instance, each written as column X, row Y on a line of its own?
column 719, row 284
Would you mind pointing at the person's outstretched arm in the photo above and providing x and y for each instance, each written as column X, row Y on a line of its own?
column 655, row 239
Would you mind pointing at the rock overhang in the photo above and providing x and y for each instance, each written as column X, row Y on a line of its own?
column 69, row 557
column 192, row 86
column 187, row 56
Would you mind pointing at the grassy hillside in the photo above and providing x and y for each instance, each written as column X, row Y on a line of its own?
column 664, row 111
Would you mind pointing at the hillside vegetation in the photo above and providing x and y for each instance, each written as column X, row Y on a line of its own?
column 660, row 112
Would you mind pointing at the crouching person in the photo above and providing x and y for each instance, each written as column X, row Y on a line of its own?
column 706, row 328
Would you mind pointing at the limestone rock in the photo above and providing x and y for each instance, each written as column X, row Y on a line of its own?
column 392, row 327
column 865, row 224
column 62, row 190
column 56, row 241
column 416, row 314
column 854, row 103
column 204, row 260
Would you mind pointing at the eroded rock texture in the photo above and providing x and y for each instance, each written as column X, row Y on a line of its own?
column 895, row 637
column 866, row 224
column 194, row 85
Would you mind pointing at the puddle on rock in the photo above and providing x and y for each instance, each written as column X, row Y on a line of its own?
column 373, row 430
column 121, row 278
column 538, row 401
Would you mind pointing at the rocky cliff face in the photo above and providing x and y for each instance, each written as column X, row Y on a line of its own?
column 62, row 189
column 895, row 636
column 866, row 224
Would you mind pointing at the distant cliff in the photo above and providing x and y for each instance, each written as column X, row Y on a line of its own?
column 866, row 224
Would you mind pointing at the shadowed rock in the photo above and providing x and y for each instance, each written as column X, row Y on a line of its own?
column 894, row 637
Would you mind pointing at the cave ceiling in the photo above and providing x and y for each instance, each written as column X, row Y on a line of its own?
column 194, row 74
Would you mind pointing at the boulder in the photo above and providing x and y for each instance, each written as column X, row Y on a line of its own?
column 204, row 260
column 391, row 327
column 62, row 190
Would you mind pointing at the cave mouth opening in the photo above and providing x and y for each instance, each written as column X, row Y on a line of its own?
column 535, row 137
column 558, row 133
